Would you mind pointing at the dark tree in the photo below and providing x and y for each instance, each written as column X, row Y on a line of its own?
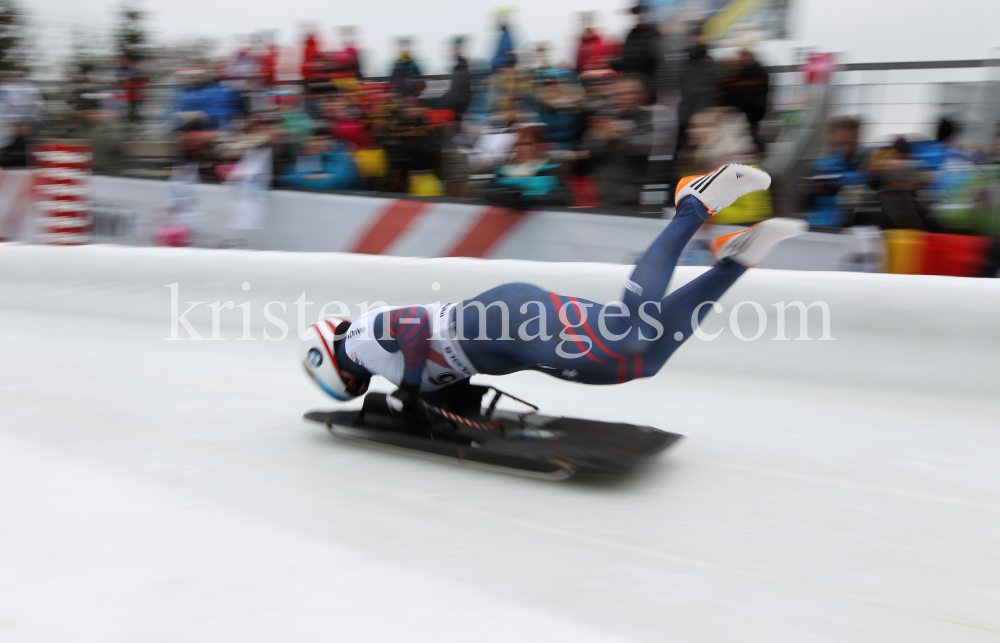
column 13, row 50
column 86, row 61
column 164, row 58
column 131, row 40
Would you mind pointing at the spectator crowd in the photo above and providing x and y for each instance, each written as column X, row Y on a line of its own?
column 519, row 131
column 933, row 185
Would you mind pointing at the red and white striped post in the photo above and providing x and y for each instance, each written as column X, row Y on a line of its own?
column 62, row 185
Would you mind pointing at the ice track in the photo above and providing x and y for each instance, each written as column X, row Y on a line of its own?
column 156, row 490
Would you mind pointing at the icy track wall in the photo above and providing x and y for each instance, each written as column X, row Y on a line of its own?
column 915, row 332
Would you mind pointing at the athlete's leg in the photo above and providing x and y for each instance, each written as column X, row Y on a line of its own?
column 595, row 358
column 735, row 251
column 697, row 197
column 678, row 312
column 552, row 331
column 651, row 275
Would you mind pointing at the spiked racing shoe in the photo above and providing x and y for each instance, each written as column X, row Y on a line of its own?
column 721, row 187
column 749, row 247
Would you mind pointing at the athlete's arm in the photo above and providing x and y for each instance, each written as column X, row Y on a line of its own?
column 406, row 330
column 409, row 329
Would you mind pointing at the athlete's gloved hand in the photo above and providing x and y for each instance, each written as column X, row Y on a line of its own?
column 403, row 398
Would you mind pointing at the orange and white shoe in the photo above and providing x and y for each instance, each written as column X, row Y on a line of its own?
column 720, row 187
column 749, row 247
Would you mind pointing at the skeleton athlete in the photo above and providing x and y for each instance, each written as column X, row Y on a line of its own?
column 517, row 326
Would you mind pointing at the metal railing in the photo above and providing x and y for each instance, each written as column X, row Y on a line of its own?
column 907, row 98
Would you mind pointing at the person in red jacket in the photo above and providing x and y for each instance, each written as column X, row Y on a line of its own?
column 132, row 83
column 312, row 57
column 267, row 59
column 590, row 54
column 350, row 56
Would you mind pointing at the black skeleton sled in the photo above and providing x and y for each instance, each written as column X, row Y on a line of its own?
column 455, row 423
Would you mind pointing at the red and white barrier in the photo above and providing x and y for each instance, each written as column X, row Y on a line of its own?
column 132, row 211
column 62, row 190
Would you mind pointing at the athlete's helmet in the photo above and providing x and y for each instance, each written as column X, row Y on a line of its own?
column 318, row 351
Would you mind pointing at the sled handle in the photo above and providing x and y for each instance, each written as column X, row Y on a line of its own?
column 497, row 394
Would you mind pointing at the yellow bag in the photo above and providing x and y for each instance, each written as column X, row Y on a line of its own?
column 425, row 184
column 906, row 251
column 371, row 163
column 347, row 84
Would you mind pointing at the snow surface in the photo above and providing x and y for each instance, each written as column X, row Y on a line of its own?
column 156, row 490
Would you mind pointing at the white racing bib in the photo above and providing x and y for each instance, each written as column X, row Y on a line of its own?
column 446, row 361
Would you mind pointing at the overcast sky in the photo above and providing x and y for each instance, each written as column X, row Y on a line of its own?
column 868, row 30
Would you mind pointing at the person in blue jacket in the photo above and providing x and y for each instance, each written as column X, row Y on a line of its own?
column 560, row 106
column 840, row 165
column 216, row 101
column 318, row 167
column 505, row 45
column 951, row 167
column 224, row 103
